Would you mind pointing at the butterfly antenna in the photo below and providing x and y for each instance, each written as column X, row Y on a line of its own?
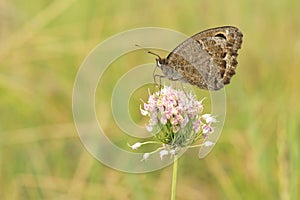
column 148, row 51
column 154, row 54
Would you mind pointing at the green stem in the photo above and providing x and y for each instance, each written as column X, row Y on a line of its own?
column 174, row 178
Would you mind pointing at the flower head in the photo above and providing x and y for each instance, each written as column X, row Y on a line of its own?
column 179, row 118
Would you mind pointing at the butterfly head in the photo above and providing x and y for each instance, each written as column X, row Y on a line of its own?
column 160, row 62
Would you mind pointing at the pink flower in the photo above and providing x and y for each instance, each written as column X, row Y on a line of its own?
column 184, row 121
column 207, row 129
column 163, row 120
column 178, row 116
column 208, row 118
column 197, row 125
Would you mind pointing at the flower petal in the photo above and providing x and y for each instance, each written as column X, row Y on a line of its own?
column 163, row 153
column 145, row 156
column 149, row 128
column 208, row 143
column 208, row 118
column 136, row 145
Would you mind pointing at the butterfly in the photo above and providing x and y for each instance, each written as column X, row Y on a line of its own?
column 207, row 60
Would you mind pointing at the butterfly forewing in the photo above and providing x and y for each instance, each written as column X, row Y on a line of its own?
column 207, row 59
column 195, row 65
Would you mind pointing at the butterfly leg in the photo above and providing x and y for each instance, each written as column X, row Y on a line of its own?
column 155, row 76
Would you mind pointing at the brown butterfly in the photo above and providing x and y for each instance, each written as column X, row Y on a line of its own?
column 206, row 60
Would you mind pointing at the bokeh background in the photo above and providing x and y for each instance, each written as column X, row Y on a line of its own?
column 42, row 45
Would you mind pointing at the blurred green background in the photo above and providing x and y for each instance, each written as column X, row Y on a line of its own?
column 43, row 43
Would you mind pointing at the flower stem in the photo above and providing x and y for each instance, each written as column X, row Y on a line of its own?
column 174, row 178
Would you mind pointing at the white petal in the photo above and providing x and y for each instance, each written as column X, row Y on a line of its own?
column 209, row 119
column 163, row 153
column 143, row 112
column 208, row 143
column 149, row 128
column 136, row 145
column 172, row 151
column 145, row 156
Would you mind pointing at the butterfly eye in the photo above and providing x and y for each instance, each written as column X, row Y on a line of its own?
column 220, row 35
column 158, row 63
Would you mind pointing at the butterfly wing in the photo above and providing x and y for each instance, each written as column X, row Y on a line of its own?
column 193, row 63
column 208, row 59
